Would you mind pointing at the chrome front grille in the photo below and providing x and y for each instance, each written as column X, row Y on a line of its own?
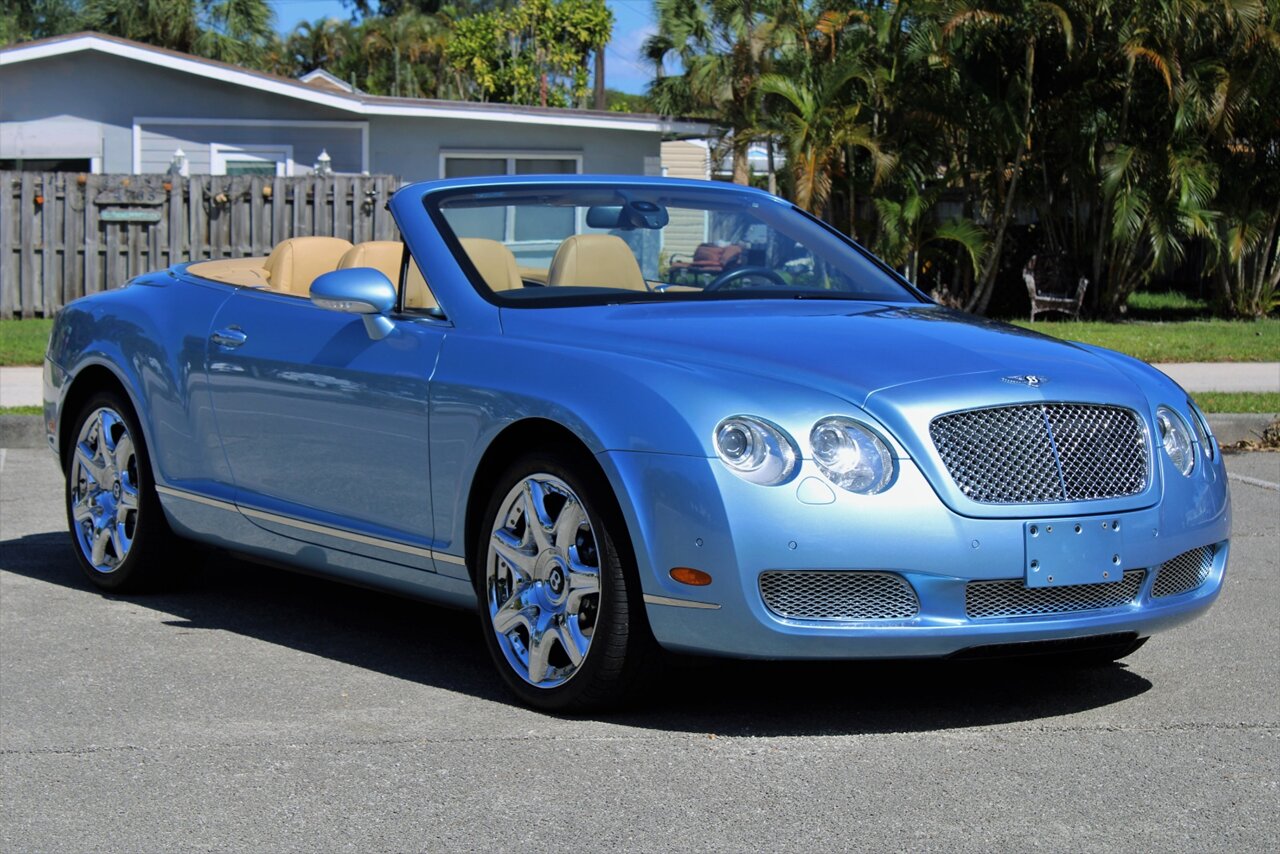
column 838, row 595
column 1012, row 598
column 1185, row 572
column 1043, row 453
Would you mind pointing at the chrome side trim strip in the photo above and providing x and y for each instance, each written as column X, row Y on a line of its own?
column 327, row 531
column 650, row 599
column 198, row 499
column 336, row 533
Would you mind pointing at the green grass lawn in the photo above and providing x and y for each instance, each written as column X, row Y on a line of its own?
column 1167, row 305
column 21, row 410
column 1187, row 341
column 1259, row 403
column 22, row 342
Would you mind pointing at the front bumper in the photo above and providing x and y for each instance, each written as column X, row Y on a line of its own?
column 687, row 511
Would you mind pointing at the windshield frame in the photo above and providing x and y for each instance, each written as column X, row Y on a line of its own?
column 610, row 296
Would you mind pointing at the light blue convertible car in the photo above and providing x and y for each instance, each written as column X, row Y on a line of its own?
column 623, row 414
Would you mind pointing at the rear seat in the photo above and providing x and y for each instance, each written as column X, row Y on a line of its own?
column 384, row 256
column 494, row 262
column 295, row 263
column 290, row 268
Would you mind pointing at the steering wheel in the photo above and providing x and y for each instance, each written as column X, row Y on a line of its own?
column 730, row 276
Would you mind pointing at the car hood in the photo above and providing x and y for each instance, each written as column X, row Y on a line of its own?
column 859, row 351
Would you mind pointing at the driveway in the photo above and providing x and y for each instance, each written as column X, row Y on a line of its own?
column 255, row 709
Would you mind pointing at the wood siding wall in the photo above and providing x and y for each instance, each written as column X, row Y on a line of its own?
column 65, row 235
column 687, row 228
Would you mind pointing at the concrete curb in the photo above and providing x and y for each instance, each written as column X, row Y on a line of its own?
column 22, row 431
column 27, row 431
column 1231, row 428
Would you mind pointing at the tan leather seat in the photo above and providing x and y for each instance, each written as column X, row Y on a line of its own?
column 381, row 255
column 599, row 260
column 295, row 263
column 384, row 256
column 494, row 261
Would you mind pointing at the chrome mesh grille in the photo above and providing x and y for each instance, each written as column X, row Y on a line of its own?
column 1185, row 572
column 1043, row 453
column 838, row 595
column 1012, row 598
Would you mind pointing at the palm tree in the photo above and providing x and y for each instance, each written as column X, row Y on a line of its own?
column 987, row 29
column 405, row 54
column 236, row 31
column 722, row 47
column 818, row 123
column 172, row 24
column 325, row 43
column 908, row 231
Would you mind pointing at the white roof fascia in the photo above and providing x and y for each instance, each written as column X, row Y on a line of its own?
column 346, row 103
column 321, row 74
column 512, row 114
column 194, row 66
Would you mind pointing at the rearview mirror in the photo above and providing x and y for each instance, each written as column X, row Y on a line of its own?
column 358, row 290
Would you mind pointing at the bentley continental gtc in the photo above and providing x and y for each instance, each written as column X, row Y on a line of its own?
column 620, row 415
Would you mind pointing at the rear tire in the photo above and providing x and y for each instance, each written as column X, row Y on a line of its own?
column 118, row 528
column 562, row 612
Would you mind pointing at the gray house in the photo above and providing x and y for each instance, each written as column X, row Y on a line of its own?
column 94, row 103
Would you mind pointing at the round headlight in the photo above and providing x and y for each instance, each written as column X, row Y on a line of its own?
column 1203, row 433
column 755, row 450
column 851, row 456
column 1176, row 438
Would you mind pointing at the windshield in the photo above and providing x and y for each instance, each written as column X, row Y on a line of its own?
column 541, row 245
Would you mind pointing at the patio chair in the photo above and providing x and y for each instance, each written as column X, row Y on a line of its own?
column 1048, row 286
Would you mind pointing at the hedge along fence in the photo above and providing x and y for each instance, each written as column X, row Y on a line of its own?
column 64, row 235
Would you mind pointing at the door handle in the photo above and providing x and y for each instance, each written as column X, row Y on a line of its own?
column 232, row 336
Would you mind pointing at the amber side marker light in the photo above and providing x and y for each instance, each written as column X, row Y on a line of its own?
column 693, row 577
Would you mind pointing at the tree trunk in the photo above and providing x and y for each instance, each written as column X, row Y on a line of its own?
column 982, row 296
column 741, row 165
column 602, row 100
column 773, row 169
column 853, row 191
column 1102, row 246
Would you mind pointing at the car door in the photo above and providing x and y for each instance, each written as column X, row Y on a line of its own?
column 325, row 428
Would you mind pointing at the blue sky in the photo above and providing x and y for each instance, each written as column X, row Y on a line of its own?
column 633, row 22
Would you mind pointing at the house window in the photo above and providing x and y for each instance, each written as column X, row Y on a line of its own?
column 512, row 224
column 473, row 165
column 271, row 160
column 72, row 164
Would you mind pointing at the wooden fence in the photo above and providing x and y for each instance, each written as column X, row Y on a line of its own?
column 64, row 235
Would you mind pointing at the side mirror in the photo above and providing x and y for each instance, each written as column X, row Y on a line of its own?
column 358, row 290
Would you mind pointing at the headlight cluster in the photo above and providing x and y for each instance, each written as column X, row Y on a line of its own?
column 1207, row 443
column 851, row 456
column 847, row 452
column 755, row 449
column 1175, row 436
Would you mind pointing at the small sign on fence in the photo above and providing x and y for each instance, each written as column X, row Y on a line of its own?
column 125, row 215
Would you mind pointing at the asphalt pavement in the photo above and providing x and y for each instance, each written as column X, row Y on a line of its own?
column 254, row 709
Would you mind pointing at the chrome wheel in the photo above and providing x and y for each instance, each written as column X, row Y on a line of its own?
column 542, row 580
column 104, row 496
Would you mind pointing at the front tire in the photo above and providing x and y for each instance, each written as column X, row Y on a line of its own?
column 117, row 525
column 562, row 616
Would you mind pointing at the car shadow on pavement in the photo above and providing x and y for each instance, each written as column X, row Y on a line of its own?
column 443, row 648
